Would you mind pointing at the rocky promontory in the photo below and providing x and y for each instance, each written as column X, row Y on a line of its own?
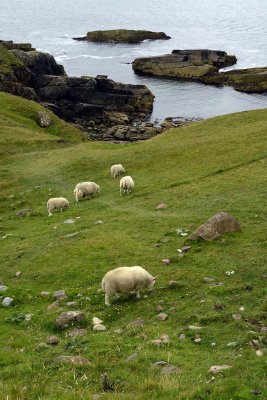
column 84, row 101
column 122, row 36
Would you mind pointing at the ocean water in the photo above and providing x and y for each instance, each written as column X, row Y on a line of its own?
column 240, row 28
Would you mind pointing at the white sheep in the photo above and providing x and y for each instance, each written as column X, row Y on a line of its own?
column 57, row 203
column 125, row 280
column 86, row 189
column 117, row 170
column 126, row 184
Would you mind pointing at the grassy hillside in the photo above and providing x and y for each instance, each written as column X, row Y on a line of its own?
column 214, row 165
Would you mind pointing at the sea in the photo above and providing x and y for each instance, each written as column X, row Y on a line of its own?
column 237, row 27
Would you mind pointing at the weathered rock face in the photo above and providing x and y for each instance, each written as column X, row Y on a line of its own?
column 184, row 64
column 123, row 36
column 214, row 227
column 37, row 76
column 250, row 80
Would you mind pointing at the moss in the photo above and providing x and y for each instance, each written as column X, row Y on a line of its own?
column 8, row 61
column 124, row 36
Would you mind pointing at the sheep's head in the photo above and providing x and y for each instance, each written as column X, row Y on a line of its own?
column 150, row 287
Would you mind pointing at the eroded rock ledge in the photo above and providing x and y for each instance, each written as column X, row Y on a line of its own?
column 203, row 66
column 122, row 36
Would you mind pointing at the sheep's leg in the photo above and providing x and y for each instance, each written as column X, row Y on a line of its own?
column 138, row 294
column 107, row 303
column 49, row 213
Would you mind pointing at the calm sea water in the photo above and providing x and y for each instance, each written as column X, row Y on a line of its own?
column 238, row 27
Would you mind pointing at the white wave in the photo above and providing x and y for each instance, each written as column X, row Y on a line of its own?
column 66, row 57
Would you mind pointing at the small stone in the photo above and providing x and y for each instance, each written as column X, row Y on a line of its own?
column 41, row 346
column 263, row 329
column 208, row 279
column 53, row 306
column 173, row 303
column 132, row 357
column 7, row 301
column 99, row 328
column 157, row 342
column 59, row 294
column 159, row 308
column 255, row 342
column 213, row 344
column 24, row 213
column 182, row 336
column 53, row 340
column 43, row 118
column 255, row 391
column 232, row 344
column 237, row 317
column 99, row 222
column 77, row 332
column 165, row 338
column 242, row 308
column 186, row 249
column 17, row 274
column 71, row 303
column 69, row 317
column 165, row 367
column 69, row 221
column 173, row 284
column 197, row 340
column 162, row 316
column 161, row 206
column 194, row 327
column 138, row 323
column 142, row 336
column 119, row 331
column 219, row 307
column 259, row 353
column 45, row 294
column 96, row 321
column 75, row 360
column 218, row 368
column 3, row 288
column 28, row 317
column 166, row 261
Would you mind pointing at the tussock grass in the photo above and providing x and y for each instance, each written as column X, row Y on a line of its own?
column 214, row 165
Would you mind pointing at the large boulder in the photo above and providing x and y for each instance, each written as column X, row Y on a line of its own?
column 122, row 36
column 184, row 64
column 216, row 226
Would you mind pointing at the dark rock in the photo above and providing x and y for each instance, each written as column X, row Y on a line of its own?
column 68, row 318
column 24, row 213
column 53, row 340
column 122, row 36
column 44, row 119
column 184, row 64
column 216, row 226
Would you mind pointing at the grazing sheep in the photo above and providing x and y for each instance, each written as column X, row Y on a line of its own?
column 86, row 189
column 124, row 280
column 117, row 170
column 126, row 184
column 57, row 203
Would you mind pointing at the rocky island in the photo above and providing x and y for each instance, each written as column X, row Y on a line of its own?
column 122, row 36
column 203, row 66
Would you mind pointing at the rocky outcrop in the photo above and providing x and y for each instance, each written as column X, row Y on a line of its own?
column 37, row 76
column 184, row 64
column 122, row 36
column 10, row 45
column 250, row 80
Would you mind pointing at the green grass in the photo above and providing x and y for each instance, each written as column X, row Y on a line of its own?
column 8, row 61
column 214, row 165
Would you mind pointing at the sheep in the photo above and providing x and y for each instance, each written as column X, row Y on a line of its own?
column 116, row 170
column 57, row 202
column 126, row 184
column 84, row 189
column 126, row 279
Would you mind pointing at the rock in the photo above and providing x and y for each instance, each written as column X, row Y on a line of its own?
column 165, row 338
column 182, row 336
column 173, row 284
column 119, row 331
column 166, row 261
column 162, row 316
column 44, row 119
column 232, row 344
column 75, row 360
column 216, row 226
column 99, row 222
column 68, row 318
column 194, row 327
column 218, row 368
column 157, row 342
column 99, row 328
column 184, row 64
column 138, row 323
column 41, row 346
column 219, row 307
column 59, row 294
column 161, row 206
column 71, row 303
column 237, row 317
column 45, row 294
column 259, row 353
column 69, row 221
column 208, row 279
column 186, row 249
column 263, row 329
column 159, row 308
column 165, row 367
column 122, row 36
column 18, row 273
column 197, row 340
column 53, row 306
column 7, row 301
column 131, row 357
column 53, row 340
column 28, row 317
column 3, row 288
column 77, row 333
column 24, row 212
column 96, row 321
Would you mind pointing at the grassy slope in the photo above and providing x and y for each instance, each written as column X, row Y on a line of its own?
column 214, row 165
